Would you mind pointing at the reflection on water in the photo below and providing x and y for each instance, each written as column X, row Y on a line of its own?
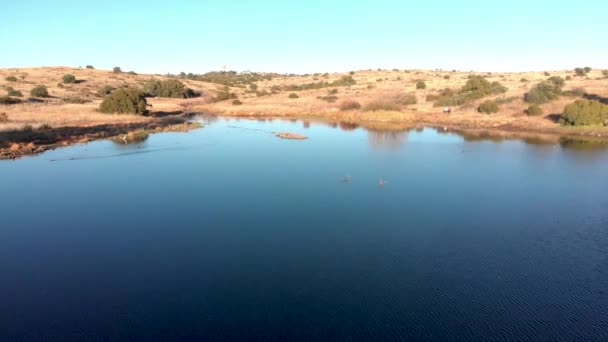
column 388, row 140
column 391, row 136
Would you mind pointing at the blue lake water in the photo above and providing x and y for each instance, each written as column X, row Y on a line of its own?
column 229, row 233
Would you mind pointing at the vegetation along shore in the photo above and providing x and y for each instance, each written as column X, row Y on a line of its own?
column 42, row 108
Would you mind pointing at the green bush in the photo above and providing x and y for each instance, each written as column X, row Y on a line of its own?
column 556, row 80
column 11, row 79
column 542, row 93
column 39, row 91
column 169, row 89
column 105, row 90
column 581, row 71
column 333, row 92
column 420, row 85
column 125, row 101
column 477, row 87
column 5, row 100
column 90, row 67
column 534, row 110
column 585, row 113
column 253, row 87
column 116, row 70
column 488, row 107
column 236, row 103
column 293, row 96
column 12, row 92
column 350, row 105
column 224, row 94
column 587, row 69
column 68, row 78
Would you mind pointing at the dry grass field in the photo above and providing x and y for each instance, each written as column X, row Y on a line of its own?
column 270, row 99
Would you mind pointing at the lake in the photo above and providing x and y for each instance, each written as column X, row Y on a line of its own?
column 229, row 233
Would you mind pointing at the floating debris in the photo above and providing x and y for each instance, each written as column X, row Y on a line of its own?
column 291, row 136
column 347, row 179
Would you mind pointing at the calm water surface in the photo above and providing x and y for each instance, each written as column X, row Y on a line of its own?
column 228, row 233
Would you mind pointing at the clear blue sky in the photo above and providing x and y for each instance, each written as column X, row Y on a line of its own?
column 305, row 36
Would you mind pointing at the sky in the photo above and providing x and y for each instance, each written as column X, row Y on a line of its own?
column 304, row 36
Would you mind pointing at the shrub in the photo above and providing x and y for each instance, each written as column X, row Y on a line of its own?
column 446, row 77
column 523, row 80
column 76, row 100
column 11, row 79
column 6, row 100
column 556, row 80
column 575, row 92
column 585, row 113
column 420, row 85
column 587, row 69
column 3, row 117
column 329, row 98
column 132, row 72
column 67, row 78
column 580, row 72
column 542, row 93
column 568, row 78
column 60, row 85
column 116, row 70
column 168, row 89
column 39, row 91
column 534, row 110
column 262, row 93
column 105, row 90
column 605, row 73
column 236, row 103
column 90, row 67
column 125, row 101
column 253, row 87
column 478, row 87
column 293, row 96
column 13, row 92
column 488, row 107
column 333, row 92
column 351, row 73
column 224, row 94
column 350, row 105
column 547, row 74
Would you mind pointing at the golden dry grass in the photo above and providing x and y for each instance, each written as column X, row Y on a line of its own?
column 371, row 86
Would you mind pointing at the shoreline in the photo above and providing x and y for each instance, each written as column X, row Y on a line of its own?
column 33, row 142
